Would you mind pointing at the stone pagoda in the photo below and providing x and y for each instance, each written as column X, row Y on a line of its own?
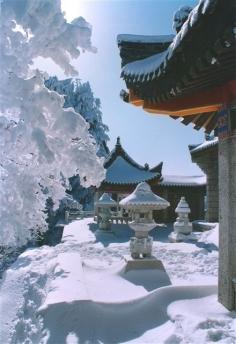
column 140, row 205
column 182, row 226
column 104, row 205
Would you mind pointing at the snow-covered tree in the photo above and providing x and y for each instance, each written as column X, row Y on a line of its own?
column 80, row 96
column 41, row 142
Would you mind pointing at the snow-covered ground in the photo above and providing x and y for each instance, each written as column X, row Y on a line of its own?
column 80, row 292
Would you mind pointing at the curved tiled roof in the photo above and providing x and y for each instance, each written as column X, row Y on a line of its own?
column 122, row 172
column 122, row 169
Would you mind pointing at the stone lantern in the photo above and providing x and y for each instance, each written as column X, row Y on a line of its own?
column 141, row 204
column 182, row 226
column 104, row 204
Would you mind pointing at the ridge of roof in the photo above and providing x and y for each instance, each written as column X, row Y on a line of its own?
column 132, row 38
column 130, row 176
column 120, row 151
column 175, row 180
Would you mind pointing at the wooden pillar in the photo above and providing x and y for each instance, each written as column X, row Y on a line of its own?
column 227, row 203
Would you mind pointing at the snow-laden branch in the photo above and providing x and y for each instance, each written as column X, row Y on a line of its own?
column 40, row 141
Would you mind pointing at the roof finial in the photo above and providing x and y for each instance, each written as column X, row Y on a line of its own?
column 118, row 141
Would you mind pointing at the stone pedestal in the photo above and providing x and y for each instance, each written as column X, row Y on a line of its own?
column 139, row 264
column 227, row 235
column 149, row 273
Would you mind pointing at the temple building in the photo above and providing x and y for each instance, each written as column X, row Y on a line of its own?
column 194, row 78
column 123, row 174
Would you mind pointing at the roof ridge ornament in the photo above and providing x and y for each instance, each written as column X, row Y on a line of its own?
column 118, row 141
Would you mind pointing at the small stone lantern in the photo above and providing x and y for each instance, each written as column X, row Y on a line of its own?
column 141, row 204
column 182, row 226
column 104, row 204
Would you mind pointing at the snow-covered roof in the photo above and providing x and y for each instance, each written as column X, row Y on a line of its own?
column 106, row 200
column 205, row 145
column 172, row 180
column 122, row 169
column 145, row 66
column 122, row 172
column 144, row 38
column 141, row 69
column 143, row 196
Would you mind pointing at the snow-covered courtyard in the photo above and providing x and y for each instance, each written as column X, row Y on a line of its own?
column 80, row 292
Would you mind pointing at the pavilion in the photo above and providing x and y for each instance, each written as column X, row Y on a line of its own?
column 194, row 78
column 123, row 174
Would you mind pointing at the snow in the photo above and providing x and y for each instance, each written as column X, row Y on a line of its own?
column 205, row 145
column 211, row 236
column 145, row 66
column 183, row 180
column 144, row 38
column 69, row 284
column 122, row 172
column 78, row 292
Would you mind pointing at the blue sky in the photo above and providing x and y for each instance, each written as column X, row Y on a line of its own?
column 147, row 138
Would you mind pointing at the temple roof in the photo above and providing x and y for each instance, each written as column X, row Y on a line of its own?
column 136, row 47
column 200, row 60
column 122, row 169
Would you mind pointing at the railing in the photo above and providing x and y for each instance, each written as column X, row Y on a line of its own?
column 120, row 219
column 72, row 215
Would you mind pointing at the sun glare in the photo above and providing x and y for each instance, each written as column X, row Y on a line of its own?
column 73, row 8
